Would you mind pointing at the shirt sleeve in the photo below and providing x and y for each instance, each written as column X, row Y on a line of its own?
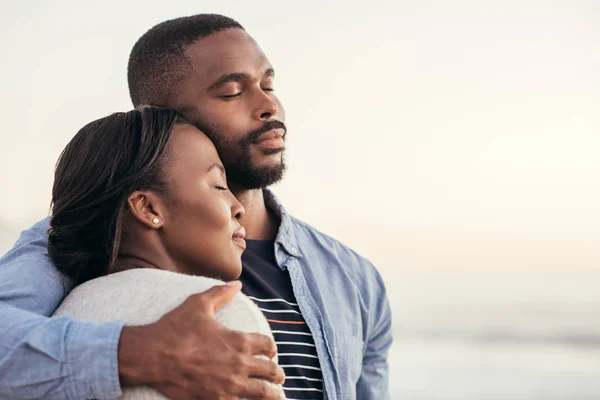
column 373, row 383
column 42, row 357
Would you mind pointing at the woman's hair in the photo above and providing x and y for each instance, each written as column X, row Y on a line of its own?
column 104, row 163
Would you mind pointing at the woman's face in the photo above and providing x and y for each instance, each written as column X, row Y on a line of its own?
column 200, row 227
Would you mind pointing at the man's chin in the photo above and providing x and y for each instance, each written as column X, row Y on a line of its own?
column 257, row 176
column 267, row 161
column 261, row 157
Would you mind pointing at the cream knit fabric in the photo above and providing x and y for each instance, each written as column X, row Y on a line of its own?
column 141, row 296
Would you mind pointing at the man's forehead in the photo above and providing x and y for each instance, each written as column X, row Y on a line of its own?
column 226, row 52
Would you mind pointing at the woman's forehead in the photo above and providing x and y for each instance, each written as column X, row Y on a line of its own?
column 191, row 149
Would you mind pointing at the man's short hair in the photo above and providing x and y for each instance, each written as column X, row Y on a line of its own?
column 157, row 60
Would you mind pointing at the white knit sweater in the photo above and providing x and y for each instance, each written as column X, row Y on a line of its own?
column 141, row 296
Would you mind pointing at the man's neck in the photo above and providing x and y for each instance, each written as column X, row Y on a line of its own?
column 260, row 222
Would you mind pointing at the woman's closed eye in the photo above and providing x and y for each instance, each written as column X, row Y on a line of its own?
column 221, row 187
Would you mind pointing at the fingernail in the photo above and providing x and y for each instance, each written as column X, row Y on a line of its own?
column 234, row 283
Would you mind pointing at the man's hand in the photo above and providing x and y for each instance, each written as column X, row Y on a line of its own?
column 187, row 354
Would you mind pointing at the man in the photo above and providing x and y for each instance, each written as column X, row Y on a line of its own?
column 327, row 306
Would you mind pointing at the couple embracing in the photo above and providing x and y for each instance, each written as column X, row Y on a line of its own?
column 132, row 287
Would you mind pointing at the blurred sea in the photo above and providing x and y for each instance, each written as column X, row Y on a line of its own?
column 505, row 335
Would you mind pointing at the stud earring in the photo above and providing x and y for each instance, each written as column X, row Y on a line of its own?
column 155, row 221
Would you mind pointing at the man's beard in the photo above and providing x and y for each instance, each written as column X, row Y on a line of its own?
column 237, row 157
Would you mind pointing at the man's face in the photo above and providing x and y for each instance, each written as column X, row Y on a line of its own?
column 229, row 95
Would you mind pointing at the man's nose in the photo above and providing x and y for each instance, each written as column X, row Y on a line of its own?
column 267, row 107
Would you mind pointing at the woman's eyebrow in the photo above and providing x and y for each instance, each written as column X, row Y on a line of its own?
column 269, row 72
column 218, row 166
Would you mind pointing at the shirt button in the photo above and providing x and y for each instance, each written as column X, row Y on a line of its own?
column 294, row 250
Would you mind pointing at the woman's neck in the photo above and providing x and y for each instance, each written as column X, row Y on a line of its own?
column 143, row 253
column 126, row 262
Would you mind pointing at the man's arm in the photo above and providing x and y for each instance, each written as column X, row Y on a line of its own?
column 57, row 358
column 41, row 357
column 374, row 379
column 28, row 280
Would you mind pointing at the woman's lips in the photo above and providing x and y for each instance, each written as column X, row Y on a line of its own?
column 240, row 242
column 238, row 237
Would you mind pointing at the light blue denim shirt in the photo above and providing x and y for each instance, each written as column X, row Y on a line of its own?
column 340, row 294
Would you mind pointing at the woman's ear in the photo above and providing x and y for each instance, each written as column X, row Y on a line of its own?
column 147, row 208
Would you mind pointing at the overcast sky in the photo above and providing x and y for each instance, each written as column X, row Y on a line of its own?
column 423, row 134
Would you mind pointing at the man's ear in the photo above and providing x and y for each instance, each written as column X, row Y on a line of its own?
column 147, row 208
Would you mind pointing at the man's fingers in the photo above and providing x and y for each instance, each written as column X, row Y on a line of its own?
column 261, row 390
column 261, row 345
column 266, row 369
column 218, row 296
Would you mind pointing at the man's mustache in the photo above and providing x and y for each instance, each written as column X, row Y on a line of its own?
column 267, row 127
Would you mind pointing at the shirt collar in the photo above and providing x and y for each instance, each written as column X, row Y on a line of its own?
column 285, row 235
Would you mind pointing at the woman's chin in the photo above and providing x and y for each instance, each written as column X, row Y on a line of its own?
column 233, row 272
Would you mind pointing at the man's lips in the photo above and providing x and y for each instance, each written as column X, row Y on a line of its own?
column 272, row 134
column 238, row 237
column 272, row 139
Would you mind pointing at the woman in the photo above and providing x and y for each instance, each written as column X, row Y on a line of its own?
column 139, row 206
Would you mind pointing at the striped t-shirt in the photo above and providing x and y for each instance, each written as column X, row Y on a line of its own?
column 271, row 289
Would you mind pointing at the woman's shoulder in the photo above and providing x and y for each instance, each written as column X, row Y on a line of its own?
column 141, row 296
column 146, row 282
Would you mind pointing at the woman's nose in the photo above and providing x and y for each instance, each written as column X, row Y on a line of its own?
column 237, row 209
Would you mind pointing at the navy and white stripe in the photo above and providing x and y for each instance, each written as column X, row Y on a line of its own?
column 270, row 287
column 295, row 347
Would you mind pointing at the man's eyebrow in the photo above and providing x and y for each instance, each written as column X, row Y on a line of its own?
column 218, row 166
column 236, row 77
column 233, row 77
